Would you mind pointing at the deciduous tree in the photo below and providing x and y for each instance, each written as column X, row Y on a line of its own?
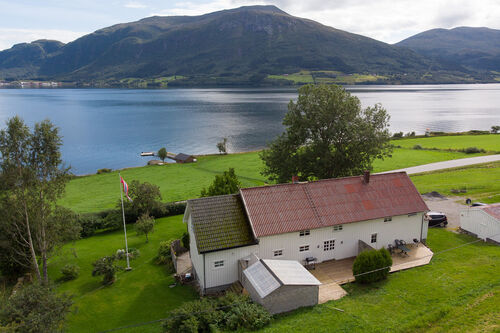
column 327, row 135
column 162, row 153
column 145, row 225
column 227, row 183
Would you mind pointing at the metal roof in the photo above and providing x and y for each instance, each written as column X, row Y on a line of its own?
column 290, row 272
column 220, row 223
column 493, row 210
column 286, row 208
column 182, row 157
column 267, row 275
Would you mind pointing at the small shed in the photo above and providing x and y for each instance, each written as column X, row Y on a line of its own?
column 184, row 158
column 280, row 285
column 482, row 221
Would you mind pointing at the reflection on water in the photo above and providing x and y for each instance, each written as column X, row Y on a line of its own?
column 110, row 127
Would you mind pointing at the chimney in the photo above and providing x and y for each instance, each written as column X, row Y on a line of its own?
column 366, row 177
column 295, row 179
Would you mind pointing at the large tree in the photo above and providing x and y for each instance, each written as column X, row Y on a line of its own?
column 327, row 135
column 227, row 183
column 33, row 180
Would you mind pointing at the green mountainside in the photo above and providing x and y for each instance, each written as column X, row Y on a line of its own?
column 474, row 48
column 247, row 45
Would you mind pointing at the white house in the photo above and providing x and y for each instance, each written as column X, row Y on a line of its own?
column 323, row 220
column 482, row 221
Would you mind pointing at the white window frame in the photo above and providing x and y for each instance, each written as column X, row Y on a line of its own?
column 376, row 238
column 218, row 264
column 303, row 233
column 304, row 248
column 329, row 245
column 278, row 253
column 338, row 227
column 388, row 219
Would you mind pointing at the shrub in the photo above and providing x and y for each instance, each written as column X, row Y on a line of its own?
column 90, row 224
column 164, row 256
column 195, row 316
column 70, row 272
column 105, row 267
column 185, row 240
column 397, row 135
column 145, row 225
column 495, row 129
column 417, row 147
column 133, row 252
column 473, row 150
column 369, row 261
column 410, row 134
column 249, row 316
column 104, row 170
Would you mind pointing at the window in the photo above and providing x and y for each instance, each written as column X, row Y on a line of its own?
column 304, row 233
column 304, row 248
column 329, row 245
column 338, row 227
column 278, row 253
column 374, row 238
column 387, row 219
column 218, row 263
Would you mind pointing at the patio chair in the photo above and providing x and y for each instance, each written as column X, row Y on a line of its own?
column 401, row 244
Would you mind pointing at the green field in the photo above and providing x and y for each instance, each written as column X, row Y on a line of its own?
column 139, row 295
column 185, row 181
column 481, row 182
column 489, row 142
column 459, row 291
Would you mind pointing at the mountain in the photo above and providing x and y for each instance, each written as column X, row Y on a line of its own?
column 475, row 48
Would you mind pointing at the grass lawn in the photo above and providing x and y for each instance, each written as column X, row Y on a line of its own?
column 185, row 181
column 459, row 291
column 489, row 142
column 140, row 295
column 481, row 181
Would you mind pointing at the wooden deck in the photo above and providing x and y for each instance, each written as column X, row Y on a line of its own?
column 340, row 271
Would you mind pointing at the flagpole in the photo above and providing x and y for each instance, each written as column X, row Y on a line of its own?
column 124, row 226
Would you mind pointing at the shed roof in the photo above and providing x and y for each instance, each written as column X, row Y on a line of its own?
column 182, row 157
column 220, row 223
column 493, row 210
column 267, row 275
column 286, row 208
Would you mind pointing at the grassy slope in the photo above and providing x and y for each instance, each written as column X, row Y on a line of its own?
column 458, row 292
column 482, row 181
column 140, row 295
column 185, row 181
column 487, row 142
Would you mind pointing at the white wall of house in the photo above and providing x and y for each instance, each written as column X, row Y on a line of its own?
column 196, row 258
column 228, row 272
column 345, row 240
column 478, row 222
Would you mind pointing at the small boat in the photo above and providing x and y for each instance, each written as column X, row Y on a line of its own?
column 148, row 153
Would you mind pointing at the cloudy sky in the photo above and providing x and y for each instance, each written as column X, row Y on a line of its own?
column 386, row 20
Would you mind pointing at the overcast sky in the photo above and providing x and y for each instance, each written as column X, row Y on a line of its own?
column 386, row 20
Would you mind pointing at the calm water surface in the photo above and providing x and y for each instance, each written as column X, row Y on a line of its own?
column 108, row 128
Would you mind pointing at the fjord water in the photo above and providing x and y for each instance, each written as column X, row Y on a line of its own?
column 109, row 128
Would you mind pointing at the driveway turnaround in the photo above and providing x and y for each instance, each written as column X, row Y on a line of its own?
column 448, row 164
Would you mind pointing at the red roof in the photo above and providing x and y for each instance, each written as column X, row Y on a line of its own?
column 286, row 208
column 493, row 210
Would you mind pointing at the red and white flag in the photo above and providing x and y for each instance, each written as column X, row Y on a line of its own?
column 125, row 188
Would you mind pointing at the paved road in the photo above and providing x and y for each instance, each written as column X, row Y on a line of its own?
column 449, row 164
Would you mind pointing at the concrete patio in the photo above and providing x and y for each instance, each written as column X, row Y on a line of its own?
column 340, row 271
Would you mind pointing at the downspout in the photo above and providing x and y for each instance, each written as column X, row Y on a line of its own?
column 204, row 276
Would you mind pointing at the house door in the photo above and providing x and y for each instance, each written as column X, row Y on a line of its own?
column 328, row 249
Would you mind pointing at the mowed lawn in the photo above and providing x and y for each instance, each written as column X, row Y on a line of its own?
column 185, row 181
column 481, row 182
column 140, row 295
column 459, row 291
column 490, row 142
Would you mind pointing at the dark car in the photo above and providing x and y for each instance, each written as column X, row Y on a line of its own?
column 437, row 218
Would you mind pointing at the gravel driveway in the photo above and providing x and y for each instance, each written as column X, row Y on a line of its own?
column 448, row 206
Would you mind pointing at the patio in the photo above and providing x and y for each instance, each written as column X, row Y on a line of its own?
column 340, row 271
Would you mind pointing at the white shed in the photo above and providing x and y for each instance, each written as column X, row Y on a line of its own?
column 280, row 285
column 482, row 221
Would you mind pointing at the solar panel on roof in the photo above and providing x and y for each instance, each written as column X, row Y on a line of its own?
column 261, row 279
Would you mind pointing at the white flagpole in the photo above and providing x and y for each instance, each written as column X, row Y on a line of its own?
column 124, row 227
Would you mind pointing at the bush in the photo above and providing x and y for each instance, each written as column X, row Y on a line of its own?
column 417, row 147
column 196, row 316
column 104, row 170
column 397, row 135
column 105, row 267
column 368, row 261
column 248, row 316
column 410, row 134
column 185, row 240
column 473, row 150
column 70, row 272
column 90, row 224
column 164, row 256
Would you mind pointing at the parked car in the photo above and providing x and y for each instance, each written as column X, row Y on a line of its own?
column 476, row 204
column 437, row 218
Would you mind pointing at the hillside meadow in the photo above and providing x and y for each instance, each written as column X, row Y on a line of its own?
column 185, row 181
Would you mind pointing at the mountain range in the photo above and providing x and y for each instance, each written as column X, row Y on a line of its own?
column 250, row 45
